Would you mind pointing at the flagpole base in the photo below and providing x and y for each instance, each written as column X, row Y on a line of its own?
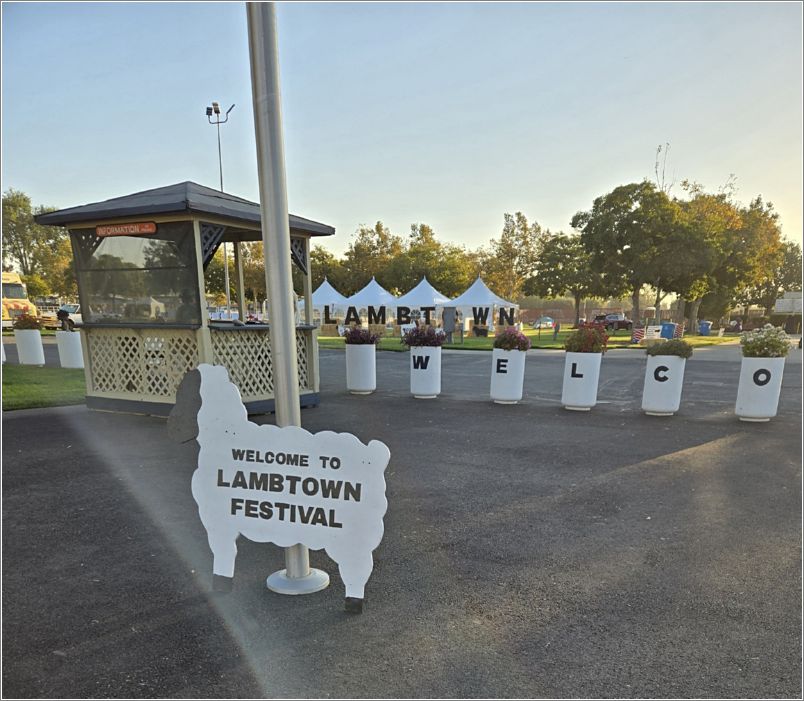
column 280, row 583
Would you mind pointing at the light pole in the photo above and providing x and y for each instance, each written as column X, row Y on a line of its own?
column 216, row 110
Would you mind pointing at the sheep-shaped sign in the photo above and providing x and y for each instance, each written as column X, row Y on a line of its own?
column 284, row 485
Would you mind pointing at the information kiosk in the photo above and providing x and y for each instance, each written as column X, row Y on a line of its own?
column 139, row 263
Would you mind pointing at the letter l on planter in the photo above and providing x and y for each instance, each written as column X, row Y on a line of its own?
column 581, row 374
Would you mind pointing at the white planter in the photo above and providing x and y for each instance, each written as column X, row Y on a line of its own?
column 759, row 388
column 664, row 378
column 361, row 368
column 69, row 344
column 425, row 371
column 507, row 375
column 3, row 348
column 581, row 374
column 29, row 347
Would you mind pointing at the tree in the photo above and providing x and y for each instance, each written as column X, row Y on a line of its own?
column 783, row 275
column 215, row 281
column 513, row 258
column 26, row 243
column 565, row 268
column 370, row 254
column 36, row 286
column 448, row 268
column 627, row 232
column 710, row 221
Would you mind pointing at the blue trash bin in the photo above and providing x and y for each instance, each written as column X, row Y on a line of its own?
column 704, row 327
column 668, row 329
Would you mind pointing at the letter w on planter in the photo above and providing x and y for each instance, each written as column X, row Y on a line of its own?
column 664, row 379
column 425, row 371
column 759, row 388
column 507, row 375
column 361, row 368
column 581, row 373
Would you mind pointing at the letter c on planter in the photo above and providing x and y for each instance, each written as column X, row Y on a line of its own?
column 659, row 377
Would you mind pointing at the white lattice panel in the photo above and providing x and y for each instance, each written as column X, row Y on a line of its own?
column 247, row 357
column 147, row 364
column 303, row 350
column 246, row 354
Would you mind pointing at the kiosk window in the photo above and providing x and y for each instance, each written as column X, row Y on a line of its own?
column 139, row 279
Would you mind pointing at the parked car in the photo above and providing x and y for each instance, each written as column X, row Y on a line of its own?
column 74, row 310
column 614, row 322
column 544, row 322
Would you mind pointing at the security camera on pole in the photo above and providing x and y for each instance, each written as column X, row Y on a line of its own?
column 216, row 110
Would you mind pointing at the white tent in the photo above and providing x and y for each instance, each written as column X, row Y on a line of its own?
column 327, row 296
column 373, row 295
column 423, row 295
column 478, row 295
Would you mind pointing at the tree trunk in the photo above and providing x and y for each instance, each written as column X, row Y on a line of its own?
column 635, row 300
column 577, row 308
column 692, row 319
column 682, row 303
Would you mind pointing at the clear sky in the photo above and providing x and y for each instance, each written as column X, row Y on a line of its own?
column 448, row 114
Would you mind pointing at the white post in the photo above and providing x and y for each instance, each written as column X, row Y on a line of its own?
column 297, row 577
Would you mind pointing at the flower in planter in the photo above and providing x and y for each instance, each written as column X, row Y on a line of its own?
column 360, row 337
column 423, row 336
column 587, row 339
column 511, row 339
column 767, row 342
column 26, row 322
column 674, row 347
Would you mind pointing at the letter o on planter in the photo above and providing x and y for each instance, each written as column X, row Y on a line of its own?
column 759, row 388
column 69, row 344
column 425, row 371
column 664, row 378
column 507, row 375
column 581, row 374
column 361, row 368
column 29, row 346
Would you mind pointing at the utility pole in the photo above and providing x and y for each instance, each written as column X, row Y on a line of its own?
column 216, row 110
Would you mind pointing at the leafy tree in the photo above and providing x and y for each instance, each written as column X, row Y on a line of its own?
column 449, row 268
column 28, row 244
column 565, row 268
column 627, row 233
column 370, row 254
column 36, row 286
column 215, row 280
column 783, row 274
column 710, row 221
column 513, row 258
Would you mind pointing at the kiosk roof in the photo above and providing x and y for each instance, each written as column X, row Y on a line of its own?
column 186, row 197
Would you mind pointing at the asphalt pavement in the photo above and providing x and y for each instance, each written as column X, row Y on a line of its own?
column 528, row 551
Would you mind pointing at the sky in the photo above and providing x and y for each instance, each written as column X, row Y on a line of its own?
column 450, row 114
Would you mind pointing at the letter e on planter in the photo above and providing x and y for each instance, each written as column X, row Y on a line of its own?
column 285, row 485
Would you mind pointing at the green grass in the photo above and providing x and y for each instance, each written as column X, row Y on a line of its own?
column 29, row 387
column 44, row 332
column 621, row 339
